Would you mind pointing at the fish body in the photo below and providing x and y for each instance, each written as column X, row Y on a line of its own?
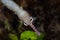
column 21, row 13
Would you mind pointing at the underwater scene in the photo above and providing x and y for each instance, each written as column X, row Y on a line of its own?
column 29, row 19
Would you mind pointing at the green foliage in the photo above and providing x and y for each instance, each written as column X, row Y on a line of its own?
column 13, row 37
column 28, row 35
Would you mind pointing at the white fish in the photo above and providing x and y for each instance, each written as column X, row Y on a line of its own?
column 22, row 14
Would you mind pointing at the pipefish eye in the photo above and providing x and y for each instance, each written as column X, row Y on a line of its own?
column 31, row 19
column 25, row 24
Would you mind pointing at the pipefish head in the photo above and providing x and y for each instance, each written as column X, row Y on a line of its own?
column 28, row 21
